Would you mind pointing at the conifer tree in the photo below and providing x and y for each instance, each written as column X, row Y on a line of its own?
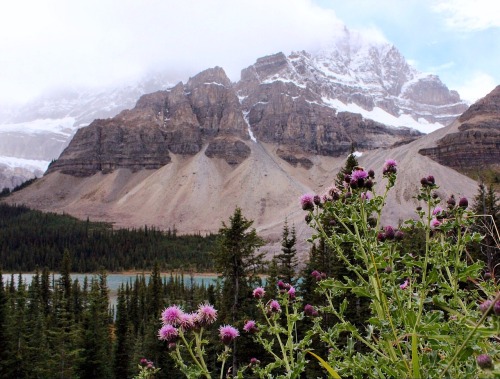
column 122, row 353
column 349, row 166
column 38, row 353
column 3, row 330
column 487, row 205
column 96, row 344
column 63, row 332
column 237, row 261
column 272, row 279
column 287, row 259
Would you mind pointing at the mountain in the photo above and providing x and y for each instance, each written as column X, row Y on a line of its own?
column 187, row 156
column 34, row 134
column 472, row 143
column 353, row 81
column 358, row 76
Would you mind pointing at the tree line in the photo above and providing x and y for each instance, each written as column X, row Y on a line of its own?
column 31, row 239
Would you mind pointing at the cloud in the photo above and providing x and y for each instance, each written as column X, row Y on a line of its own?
column 476, row 86
column 442, row 67
column 467, row 15
column 94, row 42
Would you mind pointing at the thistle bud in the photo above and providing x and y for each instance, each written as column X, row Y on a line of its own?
column 463, row 203
column 485, row 362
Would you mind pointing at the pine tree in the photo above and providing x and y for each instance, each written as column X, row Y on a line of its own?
column 38, row 353
column 3, row 330
column 96, row 344
column 236, row 260
column 349, row 166
column 287, row 259
column 272, row 279
column 487, row 205
column 122, row 353
column 63, row 333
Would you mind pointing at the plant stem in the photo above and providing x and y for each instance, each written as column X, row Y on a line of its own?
column 481, row 320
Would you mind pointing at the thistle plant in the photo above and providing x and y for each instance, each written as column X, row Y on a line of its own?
column 424, row 317
column 278, row 334
column 432, row 312
column 183, row 332
column 147, row 370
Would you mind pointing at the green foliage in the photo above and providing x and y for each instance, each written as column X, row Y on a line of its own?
column 423, row 317
column 487, row 222
column 349, row 166
column 237, row 262
column 30, row 239
column 287, row 259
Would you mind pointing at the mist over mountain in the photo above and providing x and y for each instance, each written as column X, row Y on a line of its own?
column 351, row 76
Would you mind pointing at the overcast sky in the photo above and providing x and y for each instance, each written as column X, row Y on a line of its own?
column 56, row 43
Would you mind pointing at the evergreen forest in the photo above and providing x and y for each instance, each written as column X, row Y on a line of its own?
column 31, row 239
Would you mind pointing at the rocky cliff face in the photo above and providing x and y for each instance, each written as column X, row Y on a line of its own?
column 35, row 133
column 206, row 110
column 353, row 75
column 474, row 142
column 179, row 121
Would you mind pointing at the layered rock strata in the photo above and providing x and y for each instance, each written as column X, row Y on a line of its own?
column 475, row 141
column 207, row 112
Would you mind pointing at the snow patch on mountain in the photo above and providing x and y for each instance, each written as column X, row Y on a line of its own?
column 28, row 164
column 379, row 115
column 64, row 126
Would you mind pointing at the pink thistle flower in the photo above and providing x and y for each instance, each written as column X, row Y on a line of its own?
column 389, row 167
column 435, row 223
column 172, row 315
column 318, row 275
column 254, row 362
column 309, row 310
column 485, row 305
column 317, row 199
column 485, row 362
column 358, row 175
column 168, row 333
column 274, row 306
column 206, row 314
column 404, row 285
column 188, row 321
column 389, row 232
column 259, row 293
column 366, row 196
column 250, row 327
column 496, row 308
column 228, row 333
column 438, row 210
column 307, row 202
column 333, row 192
column 291, row 293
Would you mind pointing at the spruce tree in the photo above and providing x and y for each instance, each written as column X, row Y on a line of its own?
column 487, row 206
column 287, row 259
column 272, row 279
column 122, row 352
column 97, row 350
column 237, row 261
column 3, row 330
column 349, row 166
